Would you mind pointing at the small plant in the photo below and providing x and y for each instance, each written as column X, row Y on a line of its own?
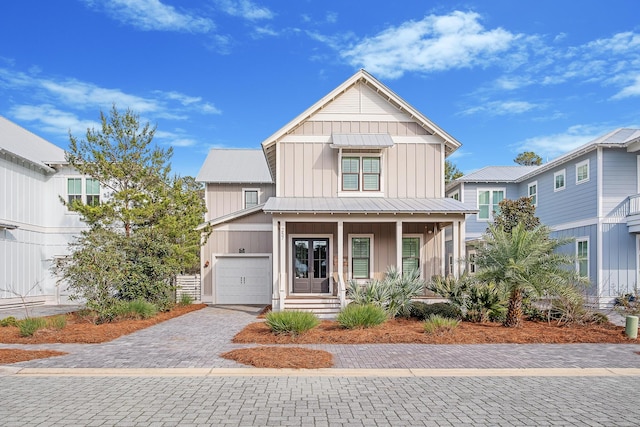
column 136, row 309
column 485, row 302
column 291, row 322
column 30, row 325
column 361, row 316
column 452, row 288
column 9, row 321
column 186, row 299
column 421, row 310
column 438, row 325
column 57, row 322
column 628, row 304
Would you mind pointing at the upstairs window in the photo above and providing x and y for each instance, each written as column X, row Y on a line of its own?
column 455, row 195
column 74, row 189
column 559, row 179
column 488, row 201
column 582, row 172
column 250, row 198
column 92, row 187
column 360, row 173
column 533, row 192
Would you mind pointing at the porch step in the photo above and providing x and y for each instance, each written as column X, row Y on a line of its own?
column 324, row 308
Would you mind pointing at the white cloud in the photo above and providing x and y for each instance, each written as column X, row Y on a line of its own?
column 629, row 91
column 245, row 9
column 153, row 15
column 436, row 43
column 53, row 120
column 502, row 108
column 550, row 146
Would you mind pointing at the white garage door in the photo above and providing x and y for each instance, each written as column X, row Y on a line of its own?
column 243, row 280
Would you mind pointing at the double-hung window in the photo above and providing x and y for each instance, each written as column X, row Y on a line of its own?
column 488, row 201
column 533, row 192
column 360, row 173
column 582, row 257
column 250, row 198
column 74, row 189
column 559, row 180
column 582, row 172
column 410, row 254
column 360, row 252
column 92, row 188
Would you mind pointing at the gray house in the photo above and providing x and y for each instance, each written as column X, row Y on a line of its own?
column 351, row 186
column 591, row 194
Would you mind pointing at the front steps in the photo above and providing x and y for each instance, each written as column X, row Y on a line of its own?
column 323, row 307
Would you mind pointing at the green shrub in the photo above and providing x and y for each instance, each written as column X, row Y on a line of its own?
column 361, row 316
column 57, row 322
column 438, row 325
column 30, row 325
column 291, row 322
column 186, row 299
column 485, row 302
column 9, row 321
column 421, row 310
column 452, row 288
column 136, row 309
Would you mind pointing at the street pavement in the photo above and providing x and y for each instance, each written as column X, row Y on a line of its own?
column 172, row 374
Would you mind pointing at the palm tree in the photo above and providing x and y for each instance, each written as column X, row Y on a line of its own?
column 524, row 260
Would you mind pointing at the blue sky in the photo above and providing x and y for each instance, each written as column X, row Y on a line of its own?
column 501, row 76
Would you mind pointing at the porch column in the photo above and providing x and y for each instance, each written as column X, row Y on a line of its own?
column 399, row 246
column 275, row 266
column 283, row 264
column 342, row 291
column 455, row 268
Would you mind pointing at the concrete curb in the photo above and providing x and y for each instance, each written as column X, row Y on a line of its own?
column 256, row 372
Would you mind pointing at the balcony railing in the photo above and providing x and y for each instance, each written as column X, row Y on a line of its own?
column 634, row 205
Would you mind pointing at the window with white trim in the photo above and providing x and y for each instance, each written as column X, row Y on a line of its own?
column 532, row 190
column 360, row 173
column 455, row 195
column 250, row 197
column 471, row 262
column 410, row 253
column 488, row 201
column 74, row 189
column 582, row 257
column 361, row 256
column 92, row 188
column 582, row 172
column 559, row 180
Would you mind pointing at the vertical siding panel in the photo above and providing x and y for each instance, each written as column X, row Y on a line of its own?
column 411, row 176
column 392, row 172
column 402, row 170
column 422, row 165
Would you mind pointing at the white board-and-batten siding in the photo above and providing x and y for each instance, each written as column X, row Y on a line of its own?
column 224, row 199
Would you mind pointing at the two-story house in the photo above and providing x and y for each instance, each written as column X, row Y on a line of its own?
column 590, row 194
column 35, row 227
column 351, row 186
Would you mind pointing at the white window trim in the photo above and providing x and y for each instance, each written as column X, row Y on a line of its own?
column 371, row 257
column 562, row 172
column 578, row 166
column 471, row 254
column 455, row 193
column 533, row 184
column 360, row 192
column 244, row 197
column 491, row 190
column 580, row 240
column 420, row 253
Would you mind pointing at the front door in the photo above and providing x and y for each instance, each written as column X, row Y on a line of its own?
column 310, row 265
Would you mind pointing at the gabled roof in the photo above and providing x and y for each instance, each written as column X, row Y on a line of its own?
column 230, row 217
column 451, row 144
column 19, row 142
column 497, row 174
column 235, row 166
column 365, row 205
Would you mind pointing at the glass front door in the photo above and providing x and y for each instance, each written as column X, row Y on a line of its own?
column 310, row 265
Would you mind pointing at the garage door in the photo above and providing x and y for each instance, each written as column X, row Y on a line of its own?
column 243, row 280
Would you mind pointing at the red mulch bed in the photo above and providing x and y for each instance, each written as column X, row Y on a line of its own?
column 279, row 357
column 12, row 355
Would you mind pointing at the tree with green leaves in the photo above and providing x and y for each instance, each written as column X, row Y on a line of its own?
column 143, row 232
column 528, row 158
column 512, row 212
column 451, row 172
column 523, row 261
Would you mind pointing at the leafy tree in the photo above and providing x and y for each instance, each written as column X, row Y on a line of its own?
column 512, row 212
column 451, row 172
column 528, row 158
column 525, row 261
column 144, row 231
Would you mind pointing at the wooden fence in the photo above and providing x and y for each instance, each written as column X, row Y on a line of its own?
column 188, row 285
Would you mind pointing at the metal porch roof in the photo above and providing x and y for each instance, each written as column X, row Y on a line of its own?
column 358, row 140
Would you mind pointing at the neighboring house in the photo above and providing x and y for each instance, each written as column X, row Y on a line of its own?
column 591, row 194
column 35, row 227
column 351, row 186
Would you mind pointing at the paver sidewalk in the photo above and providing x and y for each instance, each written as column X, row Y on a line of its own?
column 195, row 340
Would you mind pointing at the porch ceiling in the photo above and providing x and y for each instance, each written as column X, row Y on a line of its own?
column 367, row 205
